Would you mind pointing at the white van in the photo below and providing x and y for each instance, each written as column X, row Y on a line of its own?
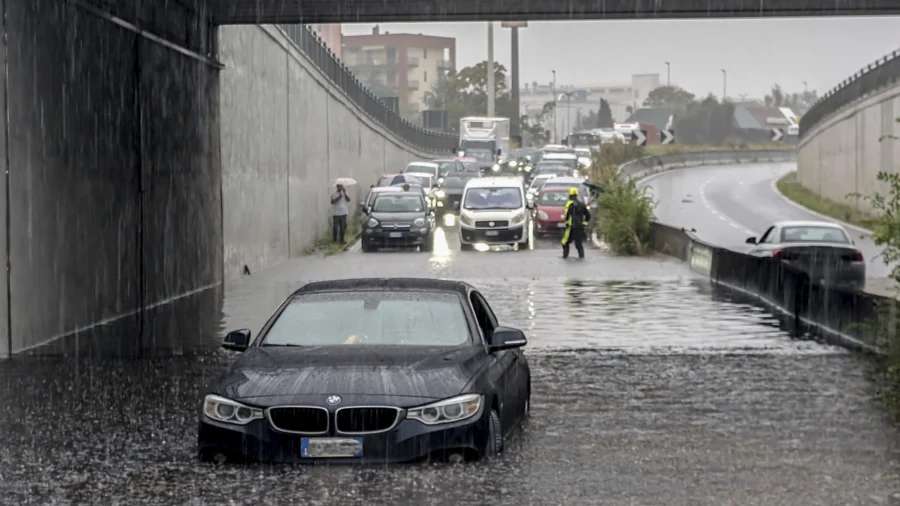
column 493, row 211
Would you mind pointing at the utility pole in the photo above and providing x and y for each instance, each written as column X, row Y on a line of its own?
column 514, row 79
column 724, row 83
column 490, row 70
column 668, row 75
column 553, row 90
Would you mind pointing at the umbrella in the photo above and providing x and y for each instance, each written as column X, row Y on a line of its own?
column 345, row 181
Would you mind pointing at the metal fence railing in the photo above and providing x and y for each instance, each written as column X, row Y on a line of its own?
column 875, row 76
column 314, row 48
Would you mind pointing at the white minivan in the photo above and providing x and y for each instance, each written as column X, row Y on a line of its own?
column 493, row 211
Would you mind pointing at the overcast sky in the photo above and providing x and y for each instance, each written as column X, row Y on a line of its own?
column 755, row 52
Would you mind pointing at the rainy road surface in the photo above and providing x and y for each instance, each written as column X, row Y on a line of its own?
column 647, row 391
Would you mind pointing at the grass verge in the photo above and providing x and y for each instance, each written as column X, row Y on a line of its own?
column 791, row 188
column 658, row 149
column 324, row 244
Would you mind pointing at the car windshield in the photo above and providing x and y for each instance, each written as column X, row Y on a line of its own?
column 420, row 179
column 371, row 318
column 425, row 169
column 554, row 169
column 446, row 167
column 493, row 198
column 390, row 180
column 482, row 155
column 455, row 181
column 554, row 199
column 471, row 166
column 814, row 234
column 398, row 204
column 582, row 189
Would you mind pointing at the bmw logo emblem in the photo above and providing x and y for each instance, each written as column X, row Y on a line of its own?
column 333, row 399
column 490, row 223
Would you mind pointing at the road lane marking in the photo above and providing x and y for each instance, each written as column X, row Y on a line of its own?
column 719, row 214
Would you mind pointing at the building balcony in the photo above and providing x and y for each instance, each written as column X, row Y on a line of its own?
column 445, row 65
column 412, row 61
column 412, row 85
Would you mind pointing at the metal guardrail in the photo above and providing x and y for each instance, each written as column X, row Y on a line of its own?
column 883, row 72
column 316, row 50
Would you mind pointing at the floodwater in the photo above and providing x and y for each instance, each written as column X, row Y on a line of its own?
column 647, row 389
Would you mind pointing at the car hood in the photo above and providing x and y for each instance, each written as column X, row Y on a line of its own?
column 278, row 375
column 553, row 211
column 491, row 214
column 396, row 217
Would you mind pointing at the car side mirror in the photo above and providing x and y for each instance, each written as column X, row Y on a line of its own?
column 367, row 209
column 751, row 240
column 237, row 340
column 506, row 338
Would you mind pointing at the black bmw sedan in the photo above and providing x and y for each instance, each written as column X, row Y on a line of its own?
column 369, row 371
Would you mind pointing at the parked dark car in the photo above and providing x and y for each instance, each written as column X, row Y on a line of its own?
column 399, row 219
column 369, row 371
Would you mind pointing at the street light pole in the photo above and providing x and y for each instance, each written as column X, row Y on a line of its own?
column 553, row 90
column 490, row 70
column 724, row 83
column 514, row 79
column 668, row 75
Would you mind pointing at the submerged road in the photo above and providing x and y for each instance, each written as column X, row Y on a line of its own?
column 727, row 204
column 648, row 390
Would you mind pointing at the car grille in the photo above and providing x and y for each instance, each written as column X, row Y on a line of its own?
column 365, row 419
column 487, row 224
column 396, row 226
column 306, row 420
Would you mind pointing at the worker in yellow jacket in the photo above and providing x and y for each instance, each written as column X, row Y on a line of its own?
column 577, row 218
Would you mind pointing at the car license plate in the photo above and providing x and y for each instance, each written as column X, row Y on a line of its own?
column 395, row 235
column 491, row 233
column 324, row 448
column 561, row 225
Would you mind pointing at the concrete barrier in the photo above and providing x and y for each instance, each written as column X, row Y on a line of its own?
column 650, row 165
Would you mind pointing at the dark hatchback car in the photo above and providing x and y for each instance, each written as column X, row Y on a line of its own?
column 397, row 220
column 448, row 195
column 369, row 371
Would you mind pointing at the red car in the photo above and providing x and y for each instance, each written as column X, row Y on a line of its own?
column 550, row 211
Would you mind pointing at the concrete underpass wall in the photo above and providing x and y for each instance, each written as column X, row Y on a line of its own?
column 114, row 174
column 844, row 153
column 287, row 133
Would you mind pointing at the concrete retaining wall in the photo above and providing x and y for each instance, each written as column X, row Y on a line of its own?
column 844, row 153
column 287, row 133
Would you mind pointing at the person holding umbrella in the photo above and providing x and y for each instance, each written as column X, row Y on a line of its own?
column 339, row 200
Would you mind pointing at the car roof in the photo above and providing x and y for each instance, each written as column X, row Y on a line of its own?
column 416, row 193
column 566, row 180
column 467, row 175
column 807, row 223
column 426, row 164
column 421, row 174
column 494, row 182
column 377, row 284
column 558, row 155
column 443, row 160
column 381, row 189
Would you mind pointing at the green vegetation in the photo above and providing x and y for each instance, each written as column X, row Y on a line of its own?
column 327, row 247
column 625, row 210
column 791, row 188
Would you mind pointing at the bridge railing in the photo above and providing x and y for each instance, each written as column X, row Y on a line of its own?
column 314, row 48
column 883, row 72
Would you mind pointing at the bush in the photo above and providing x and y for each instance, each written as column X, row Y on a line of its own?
column 625, row 211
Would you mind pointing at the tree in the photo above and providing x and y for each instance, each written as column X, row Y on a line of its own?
column 797, row 102
column 464, row 93
column 671, row 97
column 604, row 115
column 708, row 122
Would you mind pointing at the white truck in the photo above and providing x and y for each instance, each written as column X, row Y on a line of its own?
column 479, row 136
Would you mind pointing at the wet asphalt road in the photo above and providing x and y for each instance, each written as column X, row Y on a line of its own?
column 647, row 390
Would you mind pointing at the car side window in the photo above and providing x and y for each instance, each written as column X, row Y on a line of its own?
column 486, row 319
column 768, row 237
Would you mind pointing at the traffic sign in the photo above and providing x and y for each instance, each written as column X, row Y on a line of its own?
column 639, row 136
column 777, row 134
column 667, row 136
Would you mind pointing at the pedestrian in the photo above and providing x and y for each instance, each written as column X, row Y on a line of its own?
column 577, row 218
column 339, row 201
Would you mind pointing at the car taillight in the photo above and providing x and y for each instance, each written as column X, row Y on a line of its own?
column 856, row 256
column 779, row 254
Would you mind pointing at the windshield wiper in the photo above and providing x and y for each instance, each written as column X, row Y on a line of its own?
column 266, row 345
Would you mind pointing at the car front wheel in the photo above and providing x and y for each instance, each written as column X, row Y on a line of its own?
column 495, row 435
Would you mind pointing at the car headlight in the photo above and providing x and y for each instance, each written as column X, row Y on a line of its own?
column 440, row 180
column 448, row 410
column 496, row 167
column 440, row 194
column 372, row 223
column 512, row 163
column 528, row 168
column 542, row 215
column 466, row 220
column 229, row 411
column 420, row 222
column 518, row 218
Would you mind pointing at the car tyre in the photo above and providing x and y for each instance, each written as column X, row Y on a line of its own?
column 428, row 245
column 495, row 435
column 466, row 247
column 366, row 247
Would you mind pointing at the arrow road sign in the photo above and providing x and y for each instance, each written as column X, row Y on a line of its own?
column 667, row 136
column 777, row 134
column 639, row 136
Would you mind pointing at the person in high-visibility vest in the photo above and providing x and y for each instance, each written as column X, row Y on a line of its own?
column 577, row 218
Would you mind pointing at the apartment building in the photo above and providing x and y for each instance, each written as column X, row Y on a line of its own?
column 404, row 65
